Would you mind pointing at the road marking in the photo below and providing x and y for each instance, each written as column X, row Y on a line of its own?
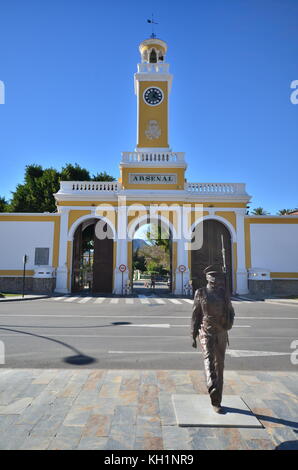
column 59, row 298
column 175, row 301
column 71, row 299
column 188, row 300
column 114, row 301
column 84, row 300
column 151, row 325
column 235, row 326
column 145, row 301
column 99, row 300
column 247, row 353
column 129, row 301
column 159, row 301
column 232, row 352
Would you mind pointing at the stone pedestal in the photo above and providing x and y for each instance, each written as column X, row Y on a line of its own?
column 196, row 410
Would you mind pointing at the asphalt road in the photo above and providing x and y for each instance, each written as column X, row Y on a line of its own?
column 139, row 333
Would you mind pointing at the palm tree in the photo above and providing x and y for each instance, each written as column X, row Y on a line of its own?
column 259, row 211
column 285, row 211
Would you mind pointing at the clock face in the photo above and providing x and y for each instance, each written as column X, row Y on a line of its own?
column 153, row 96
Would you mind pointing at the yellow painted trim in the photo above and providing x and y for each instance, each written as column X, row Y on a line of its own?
column 158, row 113
column 75, row 215
column 29, row 218
column 16, row 272
column 284, row 275
column 235, row 266
column 247, row 244
column 145, row 47
column 148, row 202
column 229, row 216
column 56, row 240
column 277, row 220
column 68, row 258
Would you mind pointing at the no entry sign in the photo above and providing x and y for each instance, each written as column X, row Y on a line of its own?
column 122, row 268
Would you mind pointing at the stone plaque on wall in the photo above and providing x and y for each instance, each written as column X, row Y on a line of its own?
column 41, row 256
column 152, row 178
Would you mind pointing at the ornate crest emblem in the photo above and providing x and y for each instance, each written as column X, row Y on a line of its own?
column 152, row 130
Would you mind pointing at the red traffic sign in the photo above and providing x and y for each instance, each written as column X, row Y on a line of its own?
column 122, row 268
column 182, row 268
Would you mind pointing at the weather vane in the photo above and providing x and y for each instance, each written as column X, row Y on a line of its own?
column 152, row 22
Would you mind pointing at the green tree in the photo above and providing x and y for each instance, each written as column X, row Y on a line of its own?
column 259, row 211
column 159, row 236
column 36, row 193
column 4, row 206
column 74, row 173
column 103, row 176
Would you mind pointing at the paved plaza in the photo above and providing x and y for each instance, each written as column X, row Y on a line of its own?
column 99, row 373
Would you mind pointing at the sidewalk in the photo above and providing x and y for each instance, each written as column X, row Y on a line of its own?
column 132, row 410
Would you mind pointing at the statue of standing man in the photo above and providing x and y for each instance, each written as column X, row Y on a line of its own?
column 212, row 317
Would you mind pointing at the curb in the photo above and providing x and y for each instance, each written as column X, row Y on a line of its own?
column 20, row 299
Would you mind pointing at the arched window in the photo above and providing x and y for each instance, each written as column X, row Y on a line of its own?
column 153, row 56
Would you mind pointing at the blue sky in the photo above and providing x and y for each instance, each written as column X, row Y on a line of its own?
column 68, row 70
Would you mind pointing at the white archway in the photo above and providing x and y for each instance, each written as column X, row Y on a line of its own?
column 145, row 219
column 82, row 219
column 224, row 221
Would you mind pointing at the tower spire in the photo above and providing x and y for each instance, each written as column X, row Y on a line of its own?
column 152, row 22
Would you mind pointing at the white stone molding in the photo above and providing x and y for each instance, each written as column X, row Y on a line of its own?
column 62, row 272
column 93, row 215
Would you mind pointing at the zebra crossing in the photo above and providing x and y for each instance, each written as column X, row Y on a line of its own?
column 141, row 299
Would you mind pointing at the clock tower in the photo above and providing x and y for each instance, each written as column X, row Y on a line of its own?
column 153, row 165
column 152, row 87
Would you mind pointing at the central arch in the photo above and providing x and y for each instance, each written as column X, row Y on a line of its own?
column 92, row 260
column 160, row 281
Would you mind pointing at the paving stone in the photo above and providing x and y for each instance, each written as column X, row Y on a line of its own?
column 14, row 436
column 166, row 409
column 175, row 438
column 97, row 426
column 148, row 427
column 105, row 406
column 35, row 442
column 148, row 443
column 115, row 443
column 94, row 380
column 74, row 385
column 67, row 438
column 148, row 404
column 77, row 416
column 260, row 444
column 148, row 377
column 109, row 389
column 92, row 443
column 45, row 377
column 17, row 407
column 281, row 435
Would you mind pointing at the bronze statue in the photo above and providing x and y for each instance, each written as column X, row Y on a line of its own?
column 212, row 317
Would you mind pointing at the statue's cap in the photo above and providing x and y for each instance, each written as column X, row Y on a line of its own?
column 214, row 269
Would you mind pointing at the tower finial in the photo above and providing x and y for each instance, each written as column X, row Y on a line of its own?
column 152, row 22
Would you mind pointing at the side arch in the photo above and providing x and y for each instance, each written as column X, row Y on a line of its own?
column 215, row 232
